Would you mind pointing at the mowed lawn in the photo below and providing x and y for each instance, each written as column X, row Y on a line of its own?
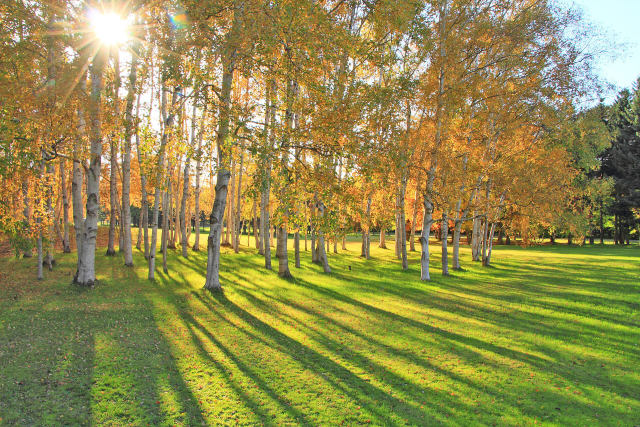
column 548, row 335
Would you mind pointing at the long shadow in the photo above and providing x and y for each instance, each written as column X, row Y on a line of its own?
column 194, row 325
column 507, row 293
column 89, row 356
column 45, row 364
column 565, row 371
column 334, row 373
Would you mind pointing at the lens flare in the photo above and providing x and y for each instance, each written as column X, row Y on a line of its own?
column 109, row 27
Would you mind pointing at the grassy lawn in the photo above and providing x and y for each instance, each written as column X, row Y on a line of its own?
column 549, row 335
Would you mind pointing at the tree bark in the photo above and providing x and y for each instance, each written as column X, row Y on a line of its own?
column 77, row 177
column 166, row 217
column 412, row 238
column 367, row 232
column 66, row 246
column 237, row 225
column 126, row 162
column 215, row 220
column 256, row 237
column 229, row 211
column 427, row 221
column 296, row 247
column 475, row 238
column 383, row 238
column 185, row 188
column 86, row 275
column 314, row 249
column 144, row 200
column 113, row 177
column 403, row 226
column 445, row 240
column 322, row 255
column 487, row 261
column 28, row 251
column 167, row 120
column 48, row 258
column 196, row 244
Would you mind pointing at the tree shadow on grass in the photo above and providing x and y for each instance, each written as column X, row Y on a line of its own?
column 337, row 376
column 89, row 356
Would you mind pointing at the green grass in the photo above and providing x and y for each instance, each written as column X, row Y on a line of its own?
column 549, row 335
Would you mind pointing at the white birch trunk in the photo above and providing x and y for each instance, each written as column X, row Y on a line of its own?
column 444, row 243
column 113, row 177
column 66, row 246
column 237, row 225
column 322, row 255
column 212, row 281
column 28, row 252
column 383, row 238
column 77, row 177
column 126, row 163
column 86, row 275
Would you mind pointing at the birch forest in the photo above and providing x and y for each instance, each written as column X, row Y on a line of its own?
column 279, row 121
column 317, row 212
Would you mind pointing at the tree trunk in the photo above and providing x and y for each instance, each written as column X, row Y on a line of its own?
column 168, row 124
column 66, row 246
column 269, row 136
column 445, row 240
column 475, row 238
column 185, row 189
column 412, row 238
column 256, row 237
column 457, row 231
column 184, row 242
column 367, row 233
column 126, row 163
column 283, row 259
column 237, row 225
column 397, row 238
column 28, row 251
column 215, row 220
column 48, row 259
column 487, row 261
column 403, row 226
column 322, row 255
column 314, row 249
column 86, row 275
column 166, row 218
column 77, row 178
column 427, row 221
column 485, row 237
column 196, row 244
column 306, row 226
column 173, row 203
column 383, row 238
column 265, row 223
column 40, row 259
column 113, row 177
column 296, row 247
column 111, row 251
column 144, row 200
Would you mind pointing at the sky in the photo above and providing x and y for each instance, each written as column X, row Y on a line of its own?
column 620, row 21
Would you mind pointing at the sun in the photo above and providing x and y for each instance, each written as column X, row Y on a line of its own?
column 109, row 27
